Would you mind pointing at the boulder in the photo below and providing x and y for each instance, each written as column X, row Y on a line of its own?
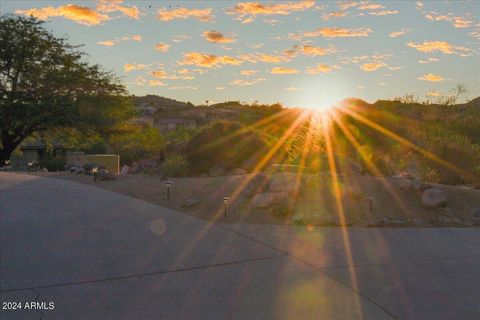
column 257, row 184
column 191, row 202
column 238, row 172
column 283, row 183
column 215, row 171
column 104, row 175
column 73, row 169
column 417, row 222
column 264, row 200
column 434, row 198
column 125, row 169
column 79, row 170
column 44, row 170
column 476, row 214
column 402, row 183
column 282, row 206
column 405, row 175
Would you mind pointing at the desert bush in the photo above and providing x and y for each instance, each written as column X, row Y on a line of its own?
column 227, row 144
column 175, row 165
column 456, row 150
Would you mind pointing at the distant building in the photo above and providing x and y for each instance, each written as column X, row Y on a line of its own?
column 212, row 114
column 167, row 124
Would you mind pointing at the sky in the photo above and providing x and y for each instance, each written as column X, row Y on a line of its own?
column 300, row 53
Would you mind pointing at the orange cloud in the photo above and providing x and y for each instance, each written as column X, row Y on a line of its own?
column 246, row 11
column 431, row 77
column 333, row 33
column 309, row 50
column 162, row 47
column 81, row 15
column 383, row 13
column 248, row 72
column 110, row 43
column 331, row 15
column 281, row 70
column 203, row 15
column 457, row 22
column 207, row 60
column 433, row 94
column 216, row 37
column 134, row 66
column 372, row 66
column 399, row 33
column 156, row 83
column 442, row 46
column 371, row 6
column 321, row 68
column 240, row 82
column 115, row 5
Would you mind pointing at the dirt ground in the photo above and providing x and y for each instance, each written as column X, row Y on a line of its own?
column 365, row 200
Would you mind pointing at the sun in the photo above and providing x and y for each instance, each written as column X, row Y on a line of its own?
column 320, row 96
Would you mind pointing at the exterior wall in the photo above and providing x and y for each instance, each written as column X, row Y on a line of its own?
column 75, row 158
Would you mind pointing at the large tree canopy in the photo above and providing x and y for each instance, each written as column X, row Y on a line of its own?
column 46, row 83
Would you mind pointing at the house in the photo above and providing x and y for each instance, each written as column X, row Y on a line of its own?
column 211, row 114
column 168, row 124
column 36, row 150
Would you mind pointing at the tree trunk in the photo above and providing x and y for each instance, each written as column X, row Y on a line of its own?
column 8, row 146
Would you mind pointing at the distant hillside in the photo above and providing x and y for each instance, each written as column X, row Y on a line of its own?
column 158, row 102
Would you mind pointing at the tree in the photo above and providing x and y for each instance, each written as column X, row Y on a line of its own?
column 46, row 83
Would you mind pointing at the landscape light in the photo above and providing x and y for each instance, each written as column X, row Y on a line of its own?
column 30, row 165
column 225, row 202
column 168, row 184
column 94, row 171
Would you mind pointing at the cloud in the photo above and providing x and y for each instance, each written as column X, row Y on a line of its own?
column 134, row 66
column 73, row 12
column 240, row 82
column 372, row 66
column 110, row 43
column 383, row 13
column 433, row 93
column 263, row 57
column 247, row 11
column 203, row 15
column 182, row 88
column 293, row 89
column 328, row 32
column 371, row 6
column 83, row 15
column 442, row 46
column 309, row 50
column 156, row 83
column 331, row 15
column 419, row 5
column 402, row 32
column 207, row 60
column 216, row 37
column 431, row 77
column 248, row 72
column 220, row 88
column 429, row 60
column 115, row 5
column 457, row 22
column 162, row 47
column 281, row 70
column 321, row 68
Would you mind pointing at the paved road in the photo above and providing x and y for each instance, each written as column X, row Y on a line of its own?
column 101, row 255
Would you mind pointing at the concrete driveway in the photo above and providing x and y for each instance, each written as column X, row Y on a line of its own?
column 94, row 254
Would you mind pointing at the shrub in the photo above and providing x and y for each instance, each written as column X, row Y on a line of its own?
column 175, row 165
column 227, row 144
column 53, row 163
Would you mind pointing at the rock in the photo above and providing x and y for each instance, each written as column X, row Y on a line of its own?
column 476, row 214
column 79, row 170
column 444, row 220
column 44, row 170
column 125, row 169
column 104, row 175
column 257, row 184
column 190, row 202
column 402, row 183
column 405, row 175
column 417, row 185
column 147, row 164
column 215, row 171
column 457, row 220
column 264, row 200
column 238, row 172
column 283, row 183
column 434, row 198
column 417, row 222
column 297, row 218
column 135, row 167
column 282, row 205
column 73, row 169
column 203, row 175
